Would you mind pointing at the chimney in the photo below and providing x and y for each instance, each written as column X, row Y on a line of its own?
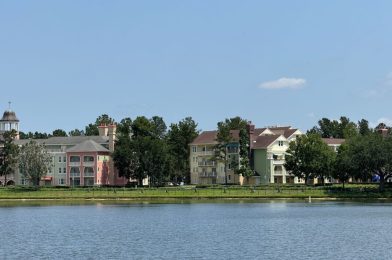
column 383, row 132
column 251, row 131
column 103, row 130
column 112, row 136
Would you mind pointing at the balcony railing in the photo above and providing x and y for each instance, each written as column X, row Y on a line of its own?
column 74, row 163
column 207, row 164
column 88, row 164
column 208, row 175
column 281, row 161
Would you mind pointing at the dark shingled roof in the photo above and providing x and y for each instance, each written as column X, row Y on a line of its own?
column 264, row 141
column 9, row 116
column 69, row 140
column 289, row 132
column 334, row 140
column 209, row 137
column 88, row 146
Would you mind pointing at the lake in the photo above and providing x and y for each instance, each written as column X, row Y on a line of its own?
column 270, row 229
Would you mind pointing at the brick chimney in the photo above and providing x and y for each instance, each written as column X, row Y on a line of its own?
column 112, row 136
column 103, row 130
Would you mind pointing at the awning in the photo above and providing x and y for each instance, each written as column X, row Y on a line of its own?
column 46, row 178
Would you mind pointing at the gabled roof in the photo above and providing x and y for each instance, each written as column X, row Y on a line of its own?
column 334, row 141
column 209, row 137
column 88, row 146
column 264, row 141
column 69, row 140
column 289, row 132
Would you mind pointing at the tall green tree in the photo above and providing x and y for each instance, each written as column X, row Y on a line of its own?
column 244, row 168
column 76, row 132
column 34, row 161
column 343, row 167
column 225, row 138
column 342, row 128
column 179, row 136
column 363, row 127
column 8, row 154
column 59, row 132
column 309, row 157
column 141, row 150
column 372, row 155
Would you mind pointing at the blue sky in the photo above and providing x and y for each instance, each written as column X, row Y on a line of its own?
column 63, row 63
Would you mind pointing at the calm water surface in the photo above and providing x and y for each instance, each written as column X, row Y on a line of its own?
column 268, row 230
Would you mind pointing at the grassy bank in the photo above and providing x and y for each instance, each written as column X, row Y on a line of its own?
column 193, row 192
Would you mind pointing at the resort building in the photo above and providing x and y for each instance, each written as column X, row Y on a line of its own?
column 267, row 156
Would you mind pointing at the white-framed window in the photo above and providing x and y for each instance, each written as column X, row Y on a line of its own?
column 194, row 149
column 74, row 159
column 64, row 159
column 59, row 170
column 64, row 170
column 61, row 182
column 280, row 143
column 59, row 158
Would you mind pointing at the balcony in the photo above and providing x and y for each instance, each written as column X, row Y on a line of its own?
column 206, row 164
column 74, row 164
column 88, row 164
column 208, row 175
column 279, row 162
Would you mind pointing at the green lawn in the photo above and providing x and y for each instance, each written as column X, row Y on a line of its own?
column 266, row 191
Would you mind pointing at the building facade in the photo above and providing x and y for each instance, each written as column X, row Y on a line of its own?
column 267, row 151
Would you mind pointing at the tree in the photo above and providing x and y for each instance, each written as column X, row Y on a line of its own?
column 141, row 150
column 179, row 137
column 363, row 127
column 343, row 167
column 342, row 128
column 59, row 132
column 8, row 154
column 244, row 168
column 372, row 155
column 309, row 157
column 124, row 156
column 226, row 138
column 34, row 161
column 76, row 132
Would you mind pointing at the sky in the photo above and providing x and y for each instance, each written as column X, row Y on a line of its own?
column 64, row 63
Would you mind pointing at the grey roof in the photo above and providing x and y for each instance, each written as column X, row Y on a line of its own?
column 88, row 146
column 9, row 116
column 69, row 140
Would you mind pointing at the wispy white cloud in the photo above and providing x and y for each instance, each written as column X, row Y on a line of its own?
column 291, row 83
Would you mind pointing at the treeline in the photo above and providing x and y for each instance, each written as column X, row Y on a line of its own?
column 365, row 155
column 90, row 130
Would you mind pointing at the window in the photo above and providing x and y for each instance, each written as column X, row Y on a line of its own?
column 229, row 176
column 74, row 159
column 61, row 182
column 280, row 143
column 88, row 159
column 59, row 170
column 75, row 171
column 194, row 149
column 64, row 159
column 88, row 171
column 59, row 158
column 64, row 170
